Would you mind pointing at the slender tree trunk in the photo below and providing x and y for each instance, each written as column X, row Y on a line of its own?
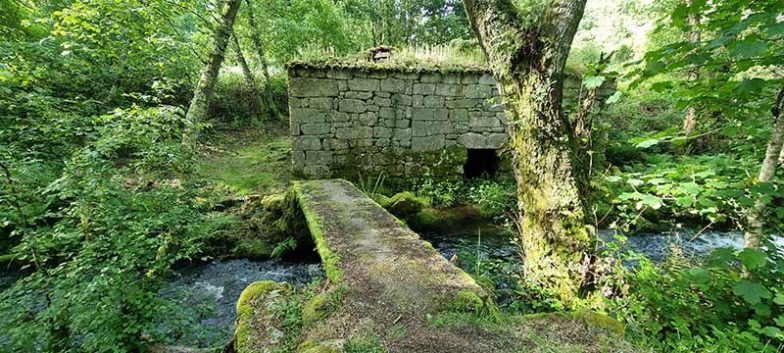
column 250, row 81
column 527, row 52
column 269, row 102
column 246, row 74
column 756, row 222
column 690, row 120
column 197, row 112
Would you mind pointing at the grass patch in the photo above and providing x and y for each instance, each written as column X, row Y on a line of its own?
column 248, row 162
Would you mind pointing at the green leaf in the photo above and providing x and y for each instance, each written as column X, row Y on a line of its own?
column 751, row 292
column 698, row 275
column 614, row 98
column 749, row 48
column 753, row 258
column 647, row 143
column 753, row 85
column 592, row 82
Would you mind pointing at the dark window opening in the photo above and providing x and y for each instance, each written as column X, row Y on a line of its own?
column 481, row 162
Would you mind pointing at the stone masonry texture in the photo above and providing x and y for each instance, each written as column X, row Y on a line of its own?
column 359, row 124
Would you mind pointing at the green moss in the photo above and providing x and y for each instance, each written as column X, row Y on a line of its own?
column 467, row 301
column 317, row 347
column 405, row 203
column 315, row 309
column 245, row 336
column 380, row 199
column 329, row 259
column 601, row 321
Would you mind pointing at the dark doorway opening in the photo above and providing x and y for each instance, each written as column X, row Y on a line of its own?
column 481, row 162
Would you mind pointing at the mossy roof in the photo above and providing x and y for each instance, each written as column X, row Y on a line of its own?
column 439, row 59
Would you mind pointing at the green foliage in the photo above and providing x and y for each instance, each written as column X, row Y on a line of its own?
column 106, row 233
column 733, row 302
column 717, row 189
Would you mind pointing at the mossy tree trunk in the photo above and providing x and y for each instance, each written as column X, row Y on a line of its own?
column 197, row 111
column 755, row 228
column 690, row 120
column 527, row 50
column 269, row 102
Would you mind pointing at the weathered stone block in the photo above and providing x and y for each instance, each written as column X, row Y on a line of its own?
column 333, row 144
column 487, row 79
column 298, row 159
column 428, row 143
column 450, row 78
column 352, row 106
column 315, row 129
column 312, row 87
column 368, row 119
column 308, row 115
column 363, row 84
column 354, row 132
column 382, row 94
column 316, row 171
column 430, row 78
column 418, row 101
column 382, row 132
column 458, row 115
column 358, row 95
column 449, row 90
column 293, row 128
column 442, row 115
column 483, row 122
column 472, row 140
column 402, row 134
column 317, row 103
column 476, row 91
column 469, row 78
column 339, row 74
column 424, row 88
column 463, row 103
column 497, row 140
column 433, row 102
column 336, row 116
column 318, row 157
column 422, row 114
column 402, row 100
column 382, row 102
column 306, row 143
column 393, row 85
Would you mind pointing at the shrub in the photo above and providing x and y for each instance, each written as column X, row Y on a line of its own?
column 733, row 302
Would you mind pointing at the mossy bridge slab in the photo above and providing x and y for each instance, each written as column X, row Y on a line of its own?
column 387, row 291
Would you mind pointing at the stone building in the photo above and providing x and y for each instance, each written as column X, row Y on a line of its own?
column 362, row 121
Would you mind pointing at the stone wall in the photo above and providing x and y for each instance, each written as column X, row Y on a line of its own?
column 355, row 124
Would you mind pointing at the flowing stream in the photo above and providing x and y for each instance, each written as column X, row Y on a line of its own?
column 204, row 295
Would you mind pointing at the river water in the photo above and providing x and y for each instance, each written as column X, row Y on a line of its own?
column 204, row 295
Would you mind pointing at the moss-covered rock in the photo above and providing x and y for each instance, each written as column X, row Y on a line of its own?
column 321, row 347
column 380, row 199
column 404, row 204
column 315, row 309
column 259, row 329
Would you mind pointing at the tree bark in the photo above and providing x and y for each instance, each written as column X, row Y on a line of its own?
column 756, row 222
column 197, row 111
column 250, row 81
column 527, row 51
column 269, row 102
column 246, row 74
column 690, row 120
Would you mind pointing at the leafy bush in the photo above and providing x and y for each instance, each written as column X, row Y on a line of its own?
column 496, row 198
column 102, row 236
column 239, row 105
column 703, row 189
column 733, row 302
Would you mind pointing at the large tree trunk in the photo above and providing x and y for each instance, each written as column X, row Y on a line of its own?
column 690, row 120
column 756, row 223
column 527, row 52
column 269, row 103
column 197, row 111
